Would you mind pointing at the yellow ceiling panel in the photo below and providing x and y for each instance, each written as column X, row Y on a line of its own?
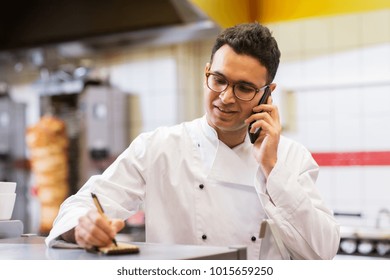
column 229, row 12
column 282, row 10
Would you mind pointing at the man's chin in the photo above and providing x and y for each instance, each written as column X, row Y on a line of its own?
column 227, row 126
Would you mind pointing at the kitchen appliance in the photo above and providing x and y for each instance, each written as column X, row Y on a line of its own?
column 96, row 117
column 13, row 167
column 365, row 242
column 10, row 229
column 104, row 115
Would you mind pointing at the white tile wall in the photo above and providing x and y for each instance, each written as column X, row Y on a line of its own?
column 346, row 31
column 375, row 27
column 376, row 134
column 374, row 62
column 376, row 190
column 349, row 190
column 154, row 81
column 347, row 135
column 318, row 135
column 347, row 103
column 375, row 100
column 345, row 67
column 166, row 81
column 317, row 70
column 339, row 70
column 316, row 35
column 324, row 182
column 289, row 37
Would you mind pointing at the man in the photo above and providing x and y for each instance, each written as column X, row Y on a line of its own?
column 203, row 182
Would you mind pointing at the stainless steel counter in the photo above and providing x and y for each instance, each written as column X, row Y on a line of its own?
column 34, row 248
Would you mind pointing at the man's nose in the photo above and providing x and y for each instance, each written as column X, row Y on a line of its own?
column 227, row 96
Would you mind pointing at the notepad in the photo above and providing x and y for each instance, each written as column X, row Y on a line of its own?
column 122, row 248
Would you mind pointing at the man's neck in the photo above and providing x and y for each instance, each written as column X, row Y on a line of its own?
column 232, row 138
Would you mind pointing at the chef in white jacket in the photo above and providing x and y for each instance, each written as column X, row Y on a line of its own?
column 203, row 182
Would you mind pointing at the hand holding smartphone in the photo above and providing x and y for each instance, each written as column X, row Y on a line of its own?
column 253, row 136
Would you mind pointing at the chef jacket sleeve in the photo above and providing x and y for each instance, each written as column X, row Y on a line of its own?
column 121, row 190
column 291, row 199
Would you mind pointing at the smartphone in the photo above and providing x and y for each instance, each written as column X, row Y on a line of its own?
column 253, row 136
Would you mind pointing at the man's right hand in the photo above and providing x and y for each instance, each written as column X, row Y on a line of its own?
column 94, row 230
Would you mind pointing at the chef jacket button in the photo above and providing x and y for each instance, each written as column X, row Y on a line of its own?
column 201, row 186
column 204, row 236
column 253, row 238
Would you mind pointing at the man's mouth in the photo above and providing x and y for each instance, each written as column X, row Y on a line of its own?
column 224, row 110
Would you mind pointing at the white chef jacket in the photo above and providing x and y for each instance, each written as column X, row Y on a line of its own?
column 196, row 190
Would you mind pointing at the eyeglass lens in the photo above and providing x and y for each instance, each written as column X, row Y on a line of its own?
column 242, row 91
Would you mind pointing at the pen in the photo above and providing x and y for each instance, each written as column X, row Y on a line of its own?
column 101, row 211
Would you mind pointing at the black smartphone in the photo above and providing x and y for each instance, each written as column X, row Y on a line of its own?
column 253, row 136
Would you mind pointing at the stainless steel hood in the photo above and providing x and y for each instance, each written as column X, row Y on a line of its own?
column 42, row 33
column 98, row 23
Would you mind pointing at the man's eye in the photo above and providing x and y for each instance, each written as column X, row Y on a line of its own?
column 244, row 88
column 220, row 81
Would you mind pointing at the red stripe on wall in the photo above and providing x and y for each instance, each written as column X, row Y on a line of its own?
column 352, row 158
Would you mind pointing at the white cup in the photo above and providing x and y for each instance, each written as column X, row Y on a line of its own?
column 7, row 202
column 7, row 187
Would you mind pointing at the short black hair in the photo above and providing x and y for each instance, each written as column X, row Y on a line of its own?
column 251, row 39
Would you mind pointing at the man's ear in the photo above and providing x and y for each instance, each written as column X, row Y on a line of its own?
column 207, row 67
column 272, row 86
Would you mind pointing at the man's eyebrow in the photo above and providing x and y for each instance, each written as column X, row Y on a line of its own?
column 236, row 82
column 219, row 73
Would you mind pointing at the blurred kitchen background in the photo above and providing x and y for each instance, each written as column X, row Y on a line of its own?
column 112, row 69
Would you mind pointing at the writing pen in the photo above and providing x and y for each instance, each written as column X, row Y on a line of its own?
column 101, row 211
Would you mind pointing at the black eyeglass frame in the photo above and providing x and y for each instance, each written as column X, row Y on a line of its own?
column 229, row 83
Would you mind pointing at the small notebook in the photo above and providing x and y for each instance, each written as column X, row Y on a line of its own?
column 122, row 248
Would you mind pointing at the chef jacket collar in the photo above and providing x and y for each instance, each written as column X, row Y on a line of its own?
column 230, row 168
column 209, row 131
column 238, row 170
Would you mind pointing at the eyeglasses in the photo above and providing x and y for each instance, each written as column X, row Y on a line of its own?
column 242, row 91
